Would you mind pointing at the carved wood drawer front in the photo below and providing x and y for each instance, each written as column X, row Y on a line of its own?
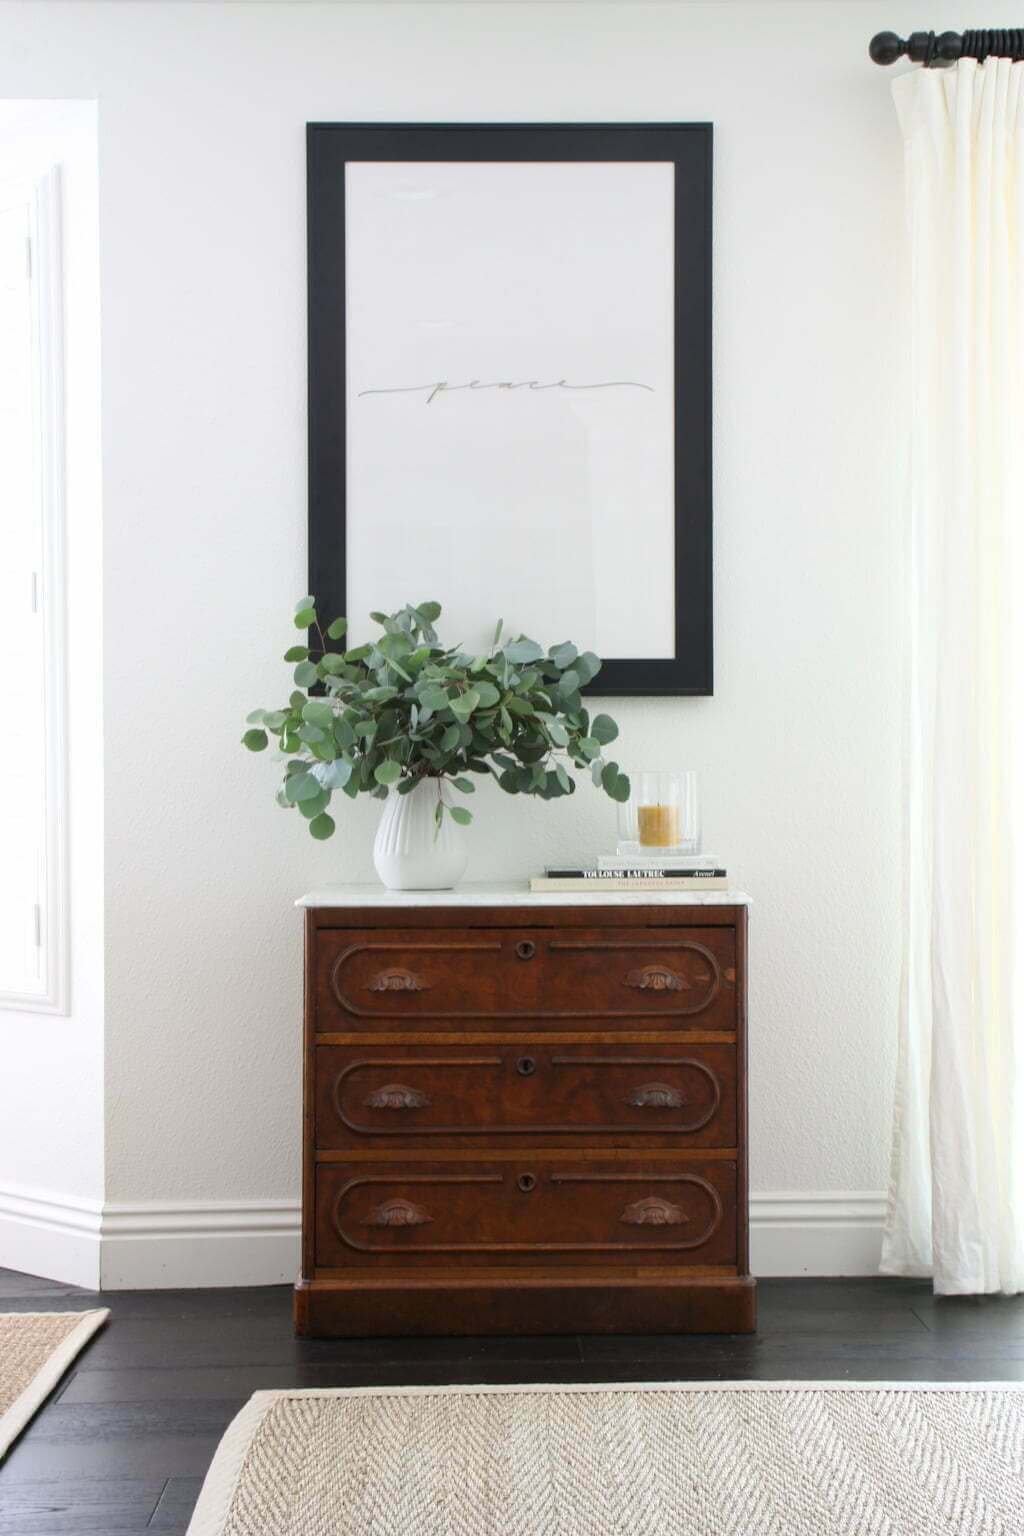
column 531, row 1210
column 490, row 1095
column 452, row 978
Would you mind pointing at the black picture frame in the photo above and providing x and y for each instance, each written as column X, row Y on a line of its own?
column 330, row 146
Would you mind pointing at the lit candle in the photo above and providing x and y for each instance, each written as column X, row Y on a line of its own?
column 659, row 825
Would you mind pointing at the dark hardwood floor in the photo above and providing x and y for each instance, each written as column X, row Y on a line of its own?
column 122, row 1445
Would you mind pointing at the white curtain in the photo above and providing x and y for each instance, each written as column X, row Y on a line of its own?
column 955, row 1207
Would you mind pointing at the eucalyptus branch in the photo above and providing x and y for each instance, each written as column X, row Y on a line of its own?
column 408, row 708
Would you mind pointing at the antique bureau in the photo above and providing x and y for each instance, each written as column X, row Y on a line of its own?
column 524, row 1114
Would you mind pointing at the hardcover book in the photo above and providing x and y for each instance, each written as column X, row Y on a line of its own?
column 592, row 880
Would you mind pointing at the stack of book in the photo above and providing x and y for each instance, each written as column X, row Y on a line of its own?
column 668, row 872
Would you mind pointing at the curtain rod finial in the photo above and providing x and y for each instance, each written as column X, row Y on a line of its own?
column 886, row 48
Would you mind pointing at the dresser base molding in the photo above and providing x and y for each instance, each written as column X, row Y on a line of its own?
column 523, row 1302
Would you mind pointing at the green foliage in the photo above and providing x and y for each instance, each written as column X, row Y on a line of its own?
column 402, row 708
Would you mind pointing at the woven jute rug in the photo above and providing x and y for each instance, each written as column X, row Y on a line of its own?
column 707, row 1459
column 36, row 1349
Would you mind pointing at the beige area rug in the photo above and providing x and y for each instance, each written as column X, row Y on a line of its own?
column 680, row 1459
column 36, row 1349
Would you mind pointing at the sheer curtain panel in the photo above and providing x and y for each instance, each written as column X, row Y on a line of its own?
column 955, row 1200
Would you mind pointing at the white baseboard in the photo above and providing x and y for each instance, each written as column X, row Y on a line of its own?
column 820, row 1233
column 247, row 1242
column 49, row 1234
column 185, row 1244
column 146, row 1247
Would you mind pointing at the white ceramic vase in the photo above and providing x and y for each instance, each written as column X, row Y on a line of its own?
column 410, row 852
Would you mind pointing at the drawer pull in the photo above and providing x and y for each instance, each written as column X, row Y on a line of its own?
column 526, row 1182
column 396, row 979
column 653, row 1211
column 398, row 1213
column 526, row 1066
column 526, row 949
column 656, row 978
column 396, row 1096
column 656, row 1096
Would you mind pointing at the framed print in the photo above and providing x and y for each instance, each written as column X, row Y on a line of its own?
column 510, row 385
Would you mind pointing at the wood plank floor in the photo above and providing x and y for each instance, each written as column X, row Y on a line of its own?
column 122, row 1445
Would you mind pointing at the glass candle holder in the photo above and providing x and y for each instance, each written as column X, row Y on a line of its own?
column 661, row 815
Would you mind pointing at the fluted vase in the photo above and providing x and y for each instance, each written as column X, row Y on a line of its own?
column 411, row 852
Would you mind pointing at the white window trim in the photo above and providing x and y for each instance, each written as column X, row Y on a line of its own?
column 44, row 196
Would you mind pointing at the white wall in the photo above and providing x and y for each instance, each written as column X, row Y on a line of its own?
column 202, row 110
column 51, row 1067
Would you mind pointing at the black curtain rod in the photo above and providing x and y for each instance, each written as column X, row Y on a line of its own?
column 935, row 50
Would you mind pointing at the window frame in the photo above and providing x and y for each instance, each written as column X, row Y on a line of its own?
column 43, row 196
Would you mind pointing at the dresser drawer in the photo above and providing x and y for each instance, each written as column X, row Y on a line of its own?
column 620, row 1095
column 526, row 1210
column 455, row 978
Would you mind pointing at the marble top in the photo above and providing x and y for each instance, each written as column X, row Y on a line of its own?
column 512, row 893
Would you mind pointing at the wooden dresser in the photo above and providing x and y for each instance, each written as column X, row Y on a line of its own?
column 524, row 1114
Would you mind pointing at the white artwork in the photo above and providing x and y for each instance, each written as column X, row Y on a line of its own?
column 509, row 394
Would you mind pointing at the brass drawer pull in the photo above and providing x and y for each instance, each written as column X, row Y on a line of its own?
column 396, row 1096
column 526, row 949
column 398, row 1213
column 656, row 1096
column 526, row 1066
column 526, row 1182
column 654, row 1212
column 656, row 978
column 396, row 979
